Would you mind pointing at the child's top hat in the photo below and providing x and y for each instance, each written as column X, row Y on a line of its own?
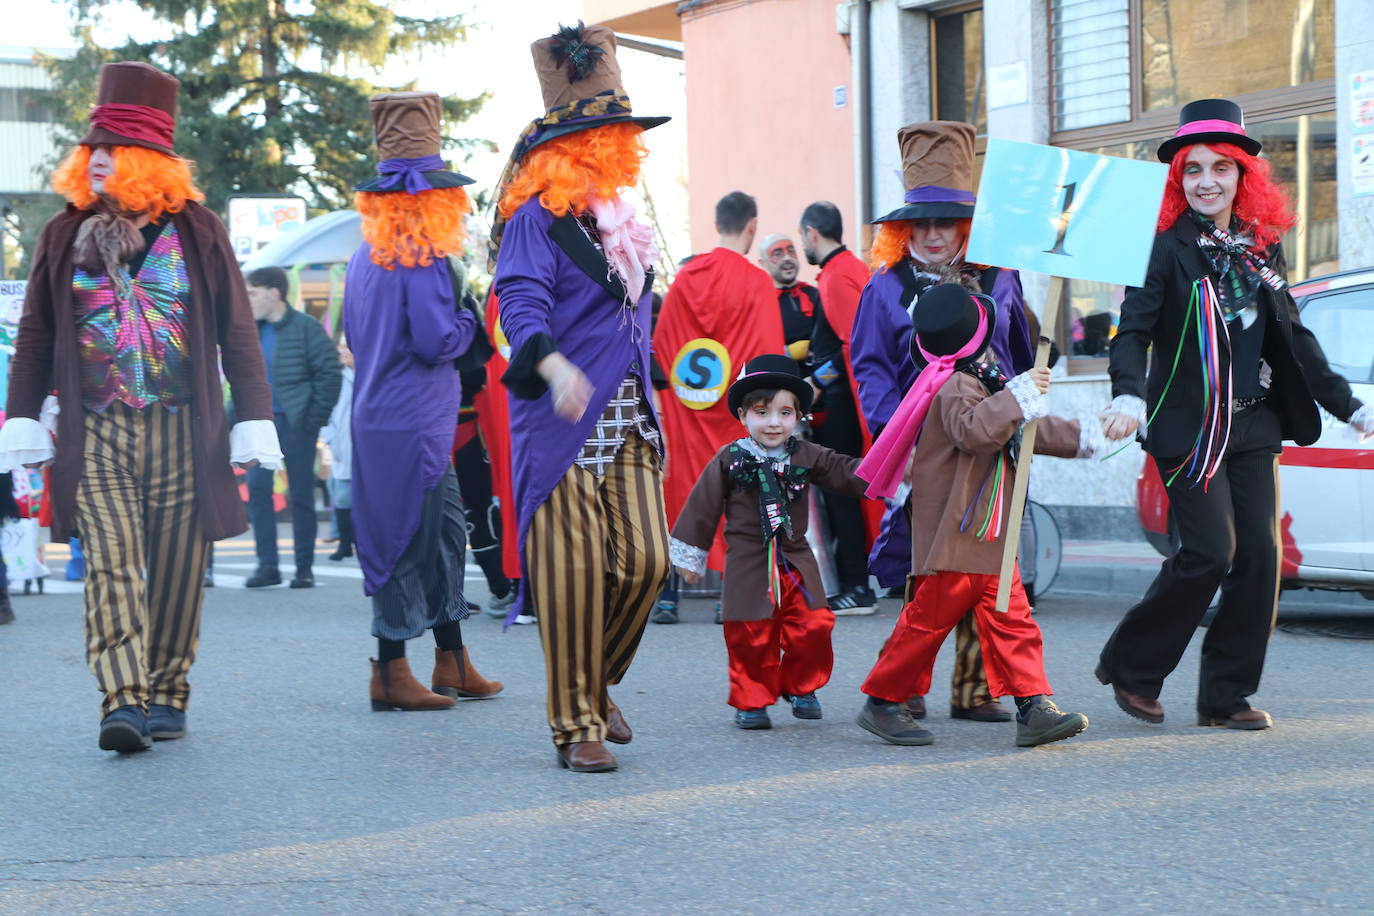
column 1209, row 121
column 771, row 370
column 946, row 320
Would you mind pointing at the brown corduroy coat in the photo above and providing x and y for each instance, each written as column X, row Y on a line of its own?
column 220, row 328
column 964, row 431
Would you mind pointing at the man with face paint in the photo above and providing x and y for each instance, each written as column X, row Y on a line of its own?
column 797, row 300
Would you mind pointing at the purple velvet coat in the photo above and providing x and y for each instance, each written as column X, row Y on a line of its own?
column 880, row 345
column 405, row 329
column 552, row 281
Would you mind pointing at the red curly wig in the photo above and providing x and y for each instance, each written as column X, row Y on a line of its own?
column 568, row 172
column 143, row 181
column 1260, row 200
column 413, row 229
column 893, row 242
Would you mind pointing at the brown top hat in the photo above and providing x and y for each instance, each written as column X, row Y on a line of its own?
column 135, row 105
column 408, row 140
column 579, row 78
column 937, row 171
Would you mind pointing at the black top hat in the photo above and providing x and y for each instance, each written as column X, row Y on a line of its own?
column 946, row 319
column 1209, row 121
column 771, row 370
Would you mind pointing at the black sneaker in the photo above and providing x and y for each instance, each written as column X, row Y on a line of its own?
column 304, row 578
column 263, row 577
column 125, row 730
column 804, row 706
column 1043, row 722
column 893, row 723
column 752, row 719
column 854, row 602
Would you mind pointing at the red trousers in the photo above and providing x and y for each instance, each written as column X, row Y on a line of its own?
column 1013, row 652
column 789, row 652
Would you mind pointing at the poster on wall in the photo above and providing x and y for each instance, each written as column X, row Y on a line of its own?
column 256, row 219
column 11, row 307
column 1362, row 102
column 1362, row 165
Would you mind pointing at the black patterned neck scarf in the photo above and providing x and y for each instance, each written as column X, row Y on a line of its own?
column 777, row 480
column 1239, row 270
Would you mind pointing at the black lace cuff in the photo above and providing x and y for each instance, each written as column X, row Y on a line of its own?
column 521, row 378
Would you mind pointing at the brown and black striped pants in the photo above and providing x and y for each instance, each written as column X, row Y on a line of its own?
column 968, row 682
column 136, row 511
column 597, row 557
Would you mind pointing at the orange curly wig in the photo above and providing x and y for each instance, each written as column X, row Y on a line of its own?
column 144, row 181
column 413, row 229
column 568, row 172
column 893, row 242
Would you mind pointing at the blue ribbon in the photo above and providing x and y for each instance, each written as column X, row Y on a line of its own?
column 411, row 171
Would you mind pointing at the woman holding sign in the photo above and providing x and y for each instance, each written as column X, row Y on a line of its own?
column 1233, row 374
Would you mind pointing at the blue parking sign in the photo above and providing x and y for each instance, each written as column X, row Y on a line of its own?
column 1066, row 213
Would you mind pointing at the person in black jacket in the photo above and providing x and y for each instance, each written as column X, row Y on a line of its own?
column 305, row 374
column 1232, row 374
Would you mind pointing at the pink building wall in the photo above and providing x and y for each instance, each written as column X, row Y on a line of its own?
column 761, row 115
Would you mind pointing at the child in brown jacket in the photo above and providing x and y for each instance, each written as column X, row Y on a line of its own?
column 773, row 605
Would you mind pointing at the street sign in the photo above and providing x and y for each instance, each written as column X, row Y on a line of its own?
column 1065, row 213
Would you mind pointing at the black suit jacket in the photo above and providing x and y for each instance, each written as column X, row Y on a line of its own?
column 1151, row 326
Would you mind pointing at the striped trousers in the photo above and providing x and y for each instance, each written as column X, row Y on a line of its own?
column 137, row 516
column 597, row 556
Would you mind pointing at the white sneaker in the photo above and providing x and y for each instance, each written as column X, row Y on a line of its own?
column 522, row 620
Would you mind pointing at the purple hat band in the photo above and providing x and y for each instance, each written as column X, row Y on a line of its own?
column 935, row 194
column 410, row 172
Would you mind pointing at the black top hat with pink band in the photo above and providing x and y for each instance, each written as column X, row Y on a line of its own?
column 1209, row 121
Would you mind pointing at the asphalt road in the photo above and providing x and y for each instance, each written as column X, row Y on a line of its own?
column 290, row 795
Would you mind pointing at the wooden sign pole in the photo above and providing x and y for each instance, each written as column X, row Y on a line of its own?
column 1048, row 322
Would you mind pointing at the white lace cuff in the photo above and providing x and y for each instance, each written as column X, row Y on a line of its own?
column 1033, row 404
column 1128, row 405
column 1092, row 443
column 23, row 440
column 685, row 556
column 255, row 440
column 1362, row 422
column 47, row 414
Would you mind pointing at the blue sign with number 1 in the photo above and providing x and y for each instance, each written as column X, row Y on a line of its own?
column 1066, row 213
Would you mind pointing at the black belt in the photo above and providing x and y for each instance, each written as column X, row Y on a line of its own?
column 1239, row 405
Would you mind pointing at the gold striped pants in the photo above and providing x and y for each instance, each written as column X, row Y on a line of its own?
column 136, row 511
column 597, row 557
column 968, row 682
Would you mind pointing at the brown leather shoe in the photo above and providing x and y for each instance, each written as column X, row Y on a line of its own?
column 455, row 677
column 618, row 731
column 394, row 687
column 916, row 706
column 1147, row 709
column 586, row 757
column 1249, row 720
column 990, row 711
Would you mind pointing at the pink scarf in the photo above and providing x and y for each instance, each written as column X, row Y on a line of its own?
column 628, row 244
column 885, row 464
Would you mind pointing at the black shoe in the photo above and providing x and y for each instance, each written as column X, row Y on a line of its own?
column 304, row 578
column 263, row 577
column 804, row 706
column 343, row 553
column 1043, row 722
column 125, row 730
column 6, row 610
column 209, row 578
column 893, row 723
column 752, row 719
column 854, row 602
column 166, row 723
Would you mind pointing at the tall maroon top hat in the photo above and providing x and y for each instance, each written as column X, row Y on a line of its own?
column 135, row 105
column 1209, row 121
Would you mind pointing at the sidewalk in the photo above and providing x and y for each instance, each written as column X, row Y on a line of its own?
column 1113, row 567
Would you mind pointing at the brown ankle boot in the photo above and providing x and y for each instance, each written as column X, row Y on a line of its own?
column 394, row 687
column 454, row 676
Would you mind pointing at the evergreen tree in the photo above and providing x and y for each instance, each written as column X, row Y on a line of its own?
column 273, row 96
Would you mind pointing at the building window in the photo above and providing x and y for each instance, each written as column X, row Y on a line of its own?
column 1120, row 71
column 23, row 104
column 958, row 90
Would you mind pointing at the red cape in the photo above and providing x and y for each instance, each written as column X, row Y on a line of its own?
column 720, row 312
column 841, row 282
column 493, row 419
